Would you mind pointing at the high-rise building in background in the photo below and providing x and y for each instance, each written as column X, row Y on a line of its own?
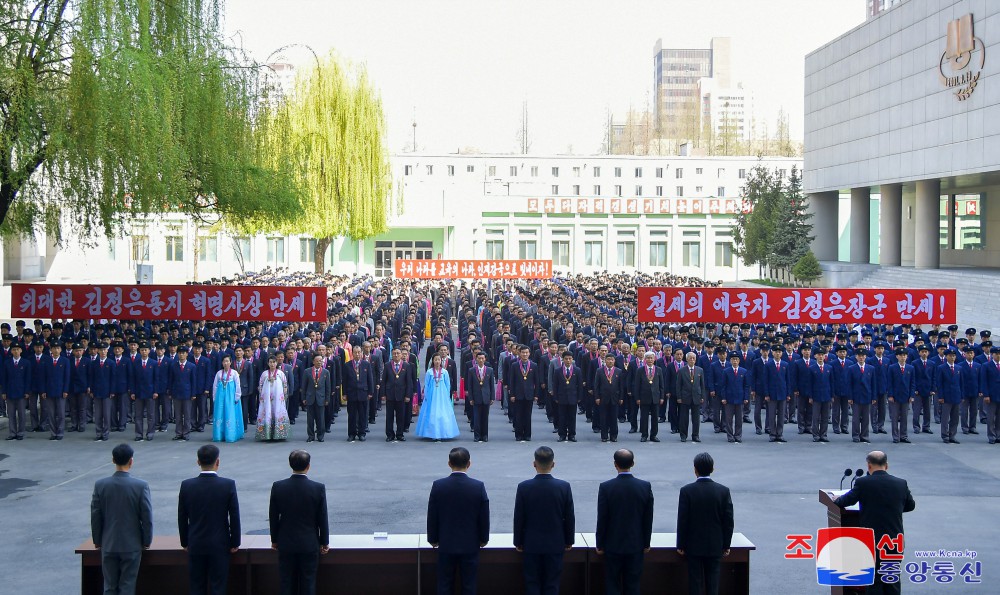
column 676, row 74
column 724, row 116
column 877, row 7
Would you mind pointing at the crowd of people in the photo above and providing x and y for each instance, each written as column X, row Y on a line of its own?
column 413, row 350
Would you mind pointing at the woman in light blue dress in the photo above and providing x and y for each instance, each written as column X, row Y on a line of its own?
column 227, row 422
column 436, row 419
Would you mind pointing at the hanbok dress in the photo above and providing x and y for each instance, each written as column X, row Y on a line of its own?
column 436, row 419
column 272, row 412
column 227, row 416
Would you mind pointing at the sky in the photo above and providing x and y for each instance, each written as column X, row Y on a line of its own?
column 464, row 68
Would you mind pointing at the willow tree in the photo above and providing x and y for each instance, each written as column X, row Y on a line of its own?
column 331, row 129
column 112, row 109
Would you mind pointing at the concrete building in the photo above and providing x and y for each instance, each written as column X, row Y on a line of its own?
column 725, row 113
column 676, row 73
column 586, row 213
column 877, row 7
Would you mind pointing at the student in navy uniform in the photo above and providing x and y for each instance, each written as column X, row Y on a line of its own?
column 949, row 386
column 102, row 379
column 16, row 387
column 182, row 387
column 758, row 387
column 144, row 395
column 820, row 395
column 990, row 385
column 480, row 391
column 56, row 391
column 841, row 389
column 733, row 389
column 79, row 389
column 881, row 363
column 163, row 405
column 202, row 387
column 121, row 403
column 609, row 397
column 971, row 393
column 776, row 393
column 864, row 388
column 544, row 524
column 567, row 396
column 901, row 389
column 38, row 369
column 924, row 372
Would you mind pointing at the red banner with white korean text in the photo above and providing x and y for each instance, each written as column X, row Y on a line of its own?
column 174, row 302
column 469, row 269
column 792, row 306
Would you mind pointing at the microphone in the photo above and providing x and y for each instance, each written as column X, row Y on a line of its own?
column 847, row 473
column 857, row 474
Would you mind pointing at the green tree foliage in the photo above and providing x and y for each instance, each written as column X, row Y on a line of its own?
column 332, row 129
column 112, row 109
column 791, row 234
column 807, row 269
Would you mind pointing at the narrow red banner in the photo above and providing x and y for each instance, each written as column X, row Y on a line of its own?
column 790, row 306
column 174, row 302
column 468, row 269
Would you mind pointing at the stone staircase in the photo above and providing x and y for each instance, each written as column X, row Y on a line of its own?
column 978, row 290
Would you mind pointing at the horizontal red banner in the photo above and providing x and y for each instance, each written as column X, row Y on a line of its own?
column 468, row 269
column 718, row 304
column 174, row 302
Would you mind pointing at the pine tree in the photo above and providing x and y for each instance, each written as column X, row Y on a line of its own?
column 807, row 269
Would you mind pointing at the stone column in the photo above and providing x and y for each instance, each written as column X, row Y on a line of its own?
column 890, row 224
column 824, row 208
column 861, row 217
column 926, row 252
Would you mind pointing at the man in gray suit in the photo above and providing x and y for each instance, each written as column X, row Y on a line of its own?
column 121, row 523
column 316, row 396
column 689, row 390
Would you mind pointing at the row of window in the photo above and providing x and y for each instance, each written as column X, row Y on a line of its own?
column 208, row 249
column 593, row 252
column 617, row 191
column 514, row 170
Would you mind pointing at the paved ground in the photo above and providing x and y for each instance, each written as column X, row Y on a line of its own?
column 45, row 491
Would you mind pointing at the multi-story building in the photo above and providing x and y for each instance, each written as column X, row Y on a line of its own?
column 676, row 73
column 725, row 115
column 877, row 7
column 585, row 213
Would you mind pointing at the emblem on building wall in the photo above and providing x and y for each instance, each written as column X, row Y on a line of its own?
column 962, row 62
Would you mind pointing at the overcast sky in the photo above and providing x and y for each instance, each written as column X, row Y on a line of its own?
column 465, row 67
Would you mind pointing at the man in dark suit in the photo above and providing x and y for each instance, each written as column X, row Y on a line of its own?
column 300, row 528
column 624, row 526
column 864, row 391
column 567, row 395
column 458, row 523
column 689, row 391
column 315, row 397
column 524, row 384
column 208, row 521
column 883, row 499
column 704, row 526
column 397, row 390
column 777, row 390
column 649, row 389
column 544, row 525
column 480, row 388
column 359, row 387
column 609, row 395
column 121, row 523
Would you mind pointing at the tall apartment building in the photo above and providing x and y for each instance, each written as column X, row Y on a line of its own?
column 676, row 73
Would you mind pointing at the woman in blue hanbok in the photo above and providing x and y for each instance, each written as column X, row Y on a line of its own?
column 228, row 415
column 436, row 419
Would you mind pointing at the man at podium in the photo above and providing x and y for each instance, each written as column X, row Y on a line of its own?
column 884, row 498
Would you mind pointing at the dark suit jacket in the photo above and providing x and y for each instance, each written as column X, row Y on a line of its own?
column 645, row 392
column 624, row 515
column 544, row 518
column 704, row 518
column 208, row 514
column 359, row 384
column 397, row 388
column 687, row 392
column 297, row 515
column 568, row 393
column 884, row 498
column 480, row 393
column 311, row 394
column 121, row 514
column 458, row 514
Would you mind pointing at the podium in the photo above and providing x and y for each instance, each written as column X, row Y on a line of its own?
column 840, row 517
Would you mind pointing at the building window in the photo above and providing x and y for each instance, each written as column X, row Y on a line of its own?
column 697, row 171
column 722, row 172
column 494, row 249
column 638, row 172
column 241, row 250
column 276, row 251
column 470, row 169
column 208, row 249
column 407, row 170
column 492, row 171
column 742, row 173
column 527, row 249
column 593, row 253
column 698, row 189
column 658, row 250
column 307, row 249
column 451, row 170
column 175, row 248
column 576, row 190
column 560, row 253
column 659, row 190
column 722, row 192
column 638, row 190
column 555, row 172
column 597, row 172
column 691, row 251
column 618, row 172
column 534, row 171
column 724, row 254
column 618, row 190
column 555, row 190
column 626, row 254
column 680, row 191
column 140, row 248
column 969, row 228
column 430, row 170
column 659, row 172
column 513, row 171
column 679, row 173
column 597, row 189
column 576, row 171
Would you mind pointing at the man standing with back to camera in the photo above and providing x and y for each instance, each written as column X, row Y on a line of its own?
column 884, row 498
column 704, row 526
column 624, row 526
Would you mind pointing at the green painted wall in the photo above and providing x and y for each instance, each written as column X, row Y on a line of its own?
column 433, row 234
